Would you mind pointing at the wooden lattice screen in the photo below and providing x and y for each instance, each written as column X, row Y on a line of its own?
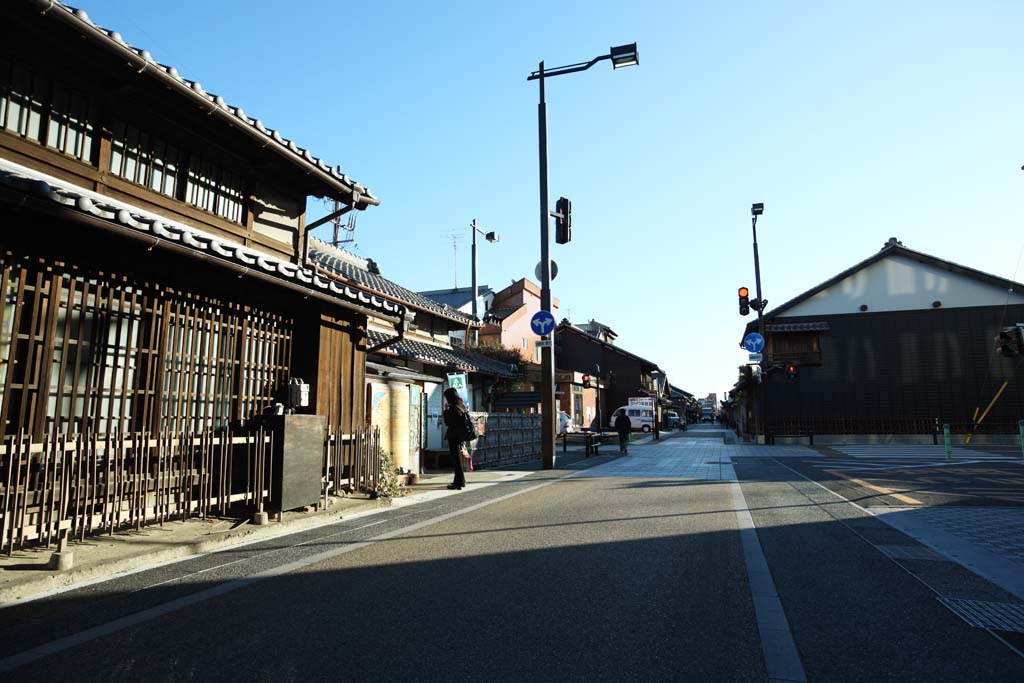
column 101, row 352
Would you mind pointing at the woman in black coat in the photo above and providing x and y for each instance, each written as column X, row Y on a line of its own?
column 455, row 419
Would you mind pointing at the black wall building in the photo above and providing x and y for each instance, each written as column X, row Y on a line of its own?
column 901, row 343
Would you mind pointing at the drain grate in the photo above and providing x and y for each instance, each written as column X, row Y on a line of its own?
column 1001, row 616
column 911, row 552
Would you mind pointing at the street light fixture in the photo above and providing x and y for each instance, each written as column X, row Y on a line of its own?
column 755, row 211
column 490, row 237
column 622, row 55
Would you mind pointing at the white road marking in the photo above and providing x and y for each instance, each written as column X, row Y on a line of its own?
column 781, row 657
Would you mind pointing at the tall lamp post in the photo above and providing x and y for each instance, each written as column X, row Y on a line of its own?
column 490, row 237
column 755, row 211
column 623, row 55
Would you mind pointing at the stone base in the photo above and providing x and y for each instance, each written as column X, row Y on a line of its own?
column 62, row 561
column 260, row 519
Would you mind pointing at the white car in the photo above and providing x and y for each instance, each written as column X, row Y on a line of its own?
column 565, row 423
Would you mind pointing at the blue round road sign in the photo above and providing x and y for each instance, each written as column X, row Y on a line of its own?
column 753, row 342
column 542, row 322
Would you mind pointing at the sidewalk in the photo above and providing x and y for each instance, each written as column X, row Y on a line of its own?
column 26, row 574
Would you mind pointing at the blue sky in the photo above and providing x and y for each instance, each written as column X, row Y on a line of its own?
column 852, row 122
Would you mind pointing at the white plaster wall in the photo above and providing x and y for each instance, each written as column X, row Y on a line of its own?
column 897, row 283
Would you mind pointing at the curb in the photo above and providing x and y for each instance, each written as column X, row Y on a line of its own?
column 48, row 581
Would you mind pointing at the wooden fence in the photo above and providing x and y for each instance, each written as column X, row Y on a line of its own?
column 73, row 486
column 352, row 462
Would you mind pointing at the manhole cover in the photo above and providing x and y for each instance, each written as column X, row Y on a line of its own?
column 911, row 552
column 1001, row 616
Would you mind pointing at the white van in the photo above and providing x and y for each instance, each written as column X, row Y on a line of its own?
column 639, row 417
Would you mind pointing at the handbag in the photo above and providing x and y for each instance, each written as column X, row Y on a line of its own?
column 468, row 457
column 470, row 427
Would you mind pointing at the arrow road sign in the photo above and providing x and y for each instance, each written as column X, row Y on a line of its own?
column 542, row 322
column 753, row 342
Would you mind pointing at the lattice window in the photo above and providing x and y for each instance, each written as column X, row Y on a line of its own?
column 145, row 159
column 215, row 189
column 22, row 94
column 795, row 347
column 71, row 127
column 102, row 354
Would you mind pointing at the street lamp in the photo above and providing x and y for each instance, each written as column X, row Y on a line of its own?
column 755, row 211
column 490, row 237
column 623, row 55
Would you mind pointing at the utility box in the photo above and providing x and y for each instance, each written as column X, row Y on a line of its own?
column 298, row 458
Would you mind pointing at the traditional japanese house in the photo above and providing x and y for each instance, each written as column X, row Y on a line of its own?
column 891, row 349
column 407, row 373
column 154, row 278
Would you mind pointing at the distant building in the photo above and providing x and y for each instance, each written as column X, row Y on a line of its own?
column 899, row 344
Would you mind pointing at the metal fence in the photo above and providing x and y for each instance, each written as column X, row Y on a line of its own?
column 352, row 462
column 506, row 438
column 73, row 486
column 808, row 426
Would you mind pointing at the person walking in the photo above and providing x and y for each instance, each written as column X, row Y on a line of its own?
column 623, row 425
column 455, row 417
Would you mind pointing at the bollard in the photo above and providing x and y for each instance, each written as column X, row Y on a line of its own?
column 1020, row 427
column 948, row 443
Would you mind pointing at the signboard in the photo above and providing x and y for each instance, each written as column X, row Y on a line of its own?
column 643, row 401
column 755, row 358
column 753, row 343
column 542, row 323
column 458, row 382
column 543, row 343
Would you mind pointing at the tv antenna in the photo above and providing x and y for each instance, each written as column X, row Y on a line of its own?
column 349, row 227
column 455, row 236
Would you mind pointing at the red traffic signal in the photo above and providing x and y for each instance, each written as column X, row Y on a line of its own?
column 586, row 380
column 791, row 371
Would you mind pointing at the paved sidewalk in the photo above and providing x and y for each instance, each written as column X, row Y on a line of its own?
column 986, row 540
column 26, row 573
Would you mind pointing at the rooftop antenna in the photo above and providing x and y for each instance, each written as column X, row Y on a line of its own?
column 455, row 236
column 349, row 227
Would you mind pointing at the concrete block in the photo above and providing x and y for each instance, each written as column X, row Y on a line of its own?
column 260, row 519
column 62, row 561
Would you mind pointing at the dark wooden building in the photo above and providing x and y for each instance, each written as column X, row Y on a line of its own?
column 621, row 375
column 899, row 344
column 154, row 273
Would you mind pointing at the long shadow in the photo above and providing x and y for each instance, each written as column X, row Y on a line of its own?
column 544, row 601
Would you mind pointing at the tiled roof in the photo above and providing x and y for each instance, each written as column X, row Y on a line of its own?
column 215, row 103
column 439, row 355
column 32, row 183
column 340, row 262
column 499, row 314
column 456, row 297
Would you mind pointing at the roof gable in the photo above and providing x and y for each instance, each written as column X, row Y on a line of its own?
column 148, row 67
column 901, row 279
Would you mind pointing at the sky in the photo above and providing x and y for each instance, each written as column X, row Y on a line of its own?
column 852, row 122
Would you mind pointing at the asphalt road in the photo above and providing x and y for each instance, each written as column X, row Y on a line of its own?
column 624, row 569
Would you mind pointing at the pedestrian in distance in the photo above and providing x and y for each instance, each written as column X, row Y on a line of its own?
column 623, row 425
column 456, row 418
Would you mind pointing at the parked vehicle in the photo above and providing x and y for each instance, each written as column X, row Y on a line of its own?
column 707, row 415
column 672, row 419
column 565, row 423
column 640, row 418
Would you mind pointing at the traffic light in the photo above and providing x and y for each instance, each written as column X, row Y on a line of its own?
column 791, row 371
column 1010, row 341
column 589, row 380
column 563, row 220
column 586, row 380
column 744, row 301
